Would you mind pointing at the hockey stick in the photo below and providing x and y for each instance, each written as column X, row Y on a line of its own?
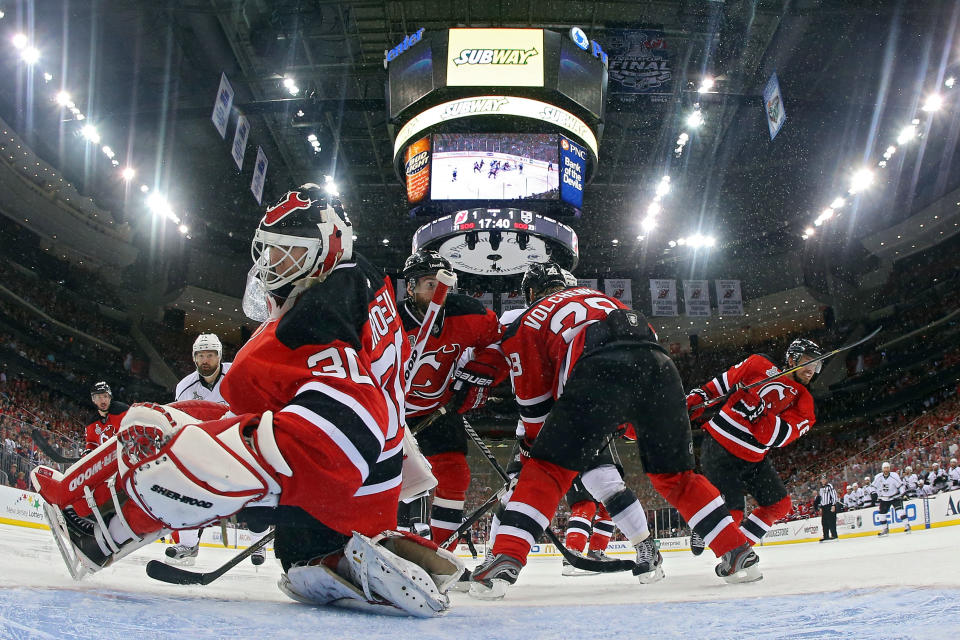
column 175, row 575
column 785, row 372
column 476, row 515
column 445, row 281
column 44, row 445
column 578, row 561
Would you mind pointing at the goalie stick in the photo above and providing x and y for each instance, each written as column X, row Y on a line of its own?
column 578, row 561
column 175, row 575
column 48, row 450
column 785, row 372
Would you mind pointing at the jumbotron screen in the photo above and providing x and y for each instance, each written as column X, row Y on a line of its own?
column 495, row 166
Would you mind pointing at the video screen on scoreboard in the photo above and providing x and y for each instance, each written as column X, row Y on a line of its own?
column 495, row 166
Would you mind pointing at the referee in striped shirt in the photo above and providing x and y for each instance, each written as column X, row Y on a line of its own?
column 827, row 502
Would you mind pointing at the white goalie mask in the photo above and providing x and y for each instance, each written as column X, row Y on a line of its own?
column 305, row 235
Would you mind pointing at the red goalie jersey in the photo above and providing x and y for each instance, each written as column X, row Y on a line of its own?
column 787, row 415
column 329, row 368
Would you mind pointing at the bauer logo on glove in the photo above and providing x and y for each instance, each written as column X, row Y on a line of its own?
column 471, row 385
column 747, row 403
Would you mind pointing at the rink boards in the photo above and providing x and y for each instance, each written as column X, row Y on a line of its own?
column 23, row 508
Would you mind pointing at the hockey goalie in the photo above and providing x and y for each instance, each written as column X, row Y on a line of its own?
column 313, row 442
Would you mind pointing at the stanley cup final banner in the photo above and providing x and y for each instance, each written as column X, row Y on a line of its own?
column 663, row 297
column 620, row 289
column 729, row 299
column 696, row 298
column 590, row 283
column 639, row 61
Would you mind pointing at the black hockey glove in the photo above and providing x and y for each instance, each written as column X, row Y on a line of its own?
column 471, row 386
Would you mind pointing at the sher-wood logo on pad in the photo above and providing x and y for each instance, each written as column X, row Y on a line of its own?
column 495, row 57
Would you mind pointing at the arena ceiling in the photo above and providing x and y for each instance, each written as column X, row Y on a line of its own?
column 852, row 73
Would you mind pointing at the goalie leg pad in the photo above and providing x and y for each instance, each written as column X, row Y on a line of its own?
column 384, row 575
column 196, row 476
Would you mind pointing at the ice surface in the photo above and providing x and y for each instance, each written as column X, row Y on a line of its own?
column 898, row 586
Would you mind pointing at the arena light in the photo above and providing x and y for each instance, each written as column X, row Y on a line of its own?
column 808, row 231
column 128, row 173
column 19, row 41
column 663, row 187
column 907, row 134
column 183, row 229
column 80, row 116
column 949, row 82
column 107, row 151
column 330, row 186
column 695, row 119
column 672, row 243
column 90, row 133
column 649, row 224
column 860, row 180
column 653, row 208
column 312, row 137
column 47, row 76
column 385, row 241
column 30, row 55
column 706, row 85
column 289, row 82
column 933, row 103
column 64, row 100
column 159, row 205
column 144, row 188
column 2, row 14
column 837, row 203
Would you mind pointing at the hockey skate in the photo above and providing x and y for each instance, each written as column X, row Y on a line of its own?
column 906, row 528
column 739, row 565
column 649, row 562
column 568, row 569
column 181, row 554
column 697, row 545
column 463, row 583
column 492, row 578
column 884, row 531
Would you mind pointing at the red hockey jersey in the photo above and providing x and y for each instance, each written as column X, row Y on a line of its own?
column 330, row 369
column 465, row 328
column 788, row 413
column 542, row 346
column 103, row 428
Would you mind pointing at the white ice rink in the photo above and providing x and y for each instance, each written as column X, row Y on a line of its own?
column 899, row 586
column 507, row 185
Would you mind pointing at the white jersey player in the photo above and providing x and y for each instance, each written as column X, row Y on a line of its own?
column 937, row 478
column 851, row 499
column 911, row 480
column 204, row 383
column 954, row 474
column 890, row 489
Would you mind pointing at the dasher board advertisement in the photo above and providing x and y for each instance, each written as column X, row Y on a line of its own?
column 495, row 58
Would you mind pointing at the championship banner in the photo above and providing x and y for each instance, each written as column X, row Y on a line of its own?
column 773, row 106
column 222, row 106
column 639, row 61
column 240, row 141
column 663, row 297
column 259, row 175
column 729, row 299
column 619, row 288
column 485, row 297
column 590, row 283
column 696, row 298
column 512, row 300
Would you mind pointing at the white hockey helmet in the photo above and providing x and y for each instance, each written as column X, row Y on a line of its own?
column 308, row 219
column 855, row 486
column 908, row 469
column 885, row 466
column 208, row 342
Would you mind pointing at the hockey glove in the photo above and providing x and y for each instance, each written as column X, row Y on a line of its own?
column 629, row 433
column 696, row 403
column 747, row 403
column 471, row 386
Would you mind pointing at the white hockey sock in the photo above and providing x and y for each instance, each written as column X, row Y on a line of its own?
column 606, row 485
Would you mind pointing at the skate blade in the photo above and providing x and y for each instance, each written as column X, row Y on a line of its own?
column 750, row 574
column 181, row 562
column 496, row 590
column 652, row 576
column 570, row 570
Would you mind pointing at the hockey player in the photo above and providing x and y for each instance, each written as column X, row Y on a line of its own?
column 911, row 480
column 317, row 398
column 107, row 421
column 734, row 450
column 582, row 528
column 937, row 478
column 850, row 501
column 870, row 498
column 203, row 384
column 954, row 474
column 583, row 364
column 448, row 371
column 890, row 488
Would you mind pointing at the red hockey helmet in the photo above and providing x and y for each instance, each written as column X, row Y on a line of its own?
column 305, row 235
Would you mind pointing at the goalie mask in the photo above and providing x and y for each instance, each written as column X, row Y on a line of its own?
column 301, row 238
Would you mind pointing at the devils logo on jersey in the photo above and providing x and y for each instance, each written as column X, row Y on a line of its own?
column 290, row 203
column 432, row 374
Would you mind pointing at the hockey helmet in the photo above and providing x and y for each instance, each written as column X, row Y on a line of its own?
column 539, row 277
column 569, row 279
column 100, row 387
column 208, row 342
column 885, row 466
column 802, row 346
column 424, row 262
column 304, row 236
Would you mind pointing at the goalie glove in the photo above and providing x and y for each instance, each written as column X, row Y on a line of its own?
column 696, row 403
column 471, row 386
column 747, row 403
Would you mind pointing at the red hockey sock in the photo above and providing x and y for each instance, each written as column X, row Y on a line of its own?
column 453, row 478
column 579, row 525
column 539, row 488
column 762, row 518
column 737, row 515
column 701, row 506
column 602, row 530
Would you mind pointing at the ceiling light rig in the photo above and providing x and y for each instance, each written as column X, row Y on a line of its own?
column 862, row 179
